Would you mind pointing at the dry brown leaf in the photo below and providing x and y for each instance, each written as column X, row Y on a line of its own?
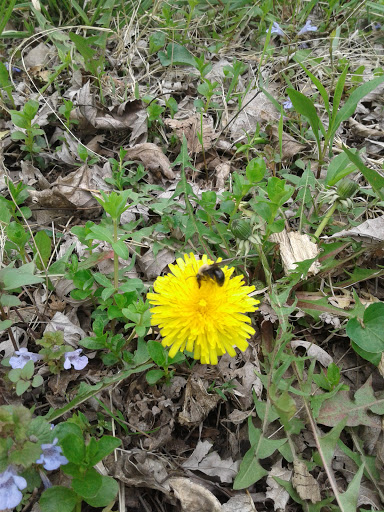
column 275, row 491
column 364, row 131
column 130, row 114
column 304, row 483
column 191, row 127
column 152, row 158
column 193, row 497
column 314, row 351
column 37, row 57
column 239, row 503
column 294, row 248
column 290, row 146
column 370, row 232
column 197, row 403
column 260, row 110
column 222, row 172
column 211, row 463
column 152, row 265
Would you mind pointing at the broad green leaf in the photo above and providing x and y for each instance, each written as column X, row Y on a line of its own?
column 105, row 446
column 370, row 334
column 156, row 41
column 153, row 376
column 15, row 278
column 27, row 370
column 73, row 448
column 107, row 493
column 337, row 96
column 341, row 406
column 176, row 55
column 58, row 498
column 9, row 301
column 5, row 324
column 121, row 249
column 88, row 485
column 100, row 233
column 338, row 168
column 27, row 455
column 255, row 170
column 157, row 352
column 374, row 358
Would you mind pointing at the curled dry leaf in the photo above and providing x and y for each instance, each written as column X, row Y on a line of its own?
column 304, row 483
column 370, row 232
column 197, row 403
column 37, row 57
column 314, row 351
column 211, row 463
column 72, row 333
column 128, row 115
column 193, row 128
column 193, row 497
column 294, row 248
column 222, row 172
column 151, row 157
column 152, row 265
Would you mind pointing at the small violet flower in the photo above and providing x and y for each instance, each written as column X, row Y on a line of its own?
column 52, row 457
column 307, row 28
column 377, row 25
column 287, row 104
column 14, row 68
column 276, row 29
column 74, row 359
column 23, row 357
column 10, row 486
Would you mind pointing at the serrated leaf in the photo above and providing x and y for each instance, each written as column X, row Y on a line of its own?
column 88, row 485
column 356, row 412
column 107, row 493
column 27, row 455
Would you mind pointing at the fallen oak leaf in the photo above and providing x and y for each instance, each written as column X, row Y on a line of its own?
column 152, row 157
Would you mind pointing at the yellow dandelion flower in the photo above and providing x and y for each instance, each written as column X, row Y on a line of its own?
column 208, row 320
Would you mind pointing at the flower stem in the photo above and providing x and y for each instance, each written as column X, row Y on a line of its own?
column 325, row 221
column 115, row 257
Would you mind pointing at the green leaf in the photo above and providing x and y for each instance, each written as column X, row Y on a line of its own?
column 58, row 498
column 255, row 170
column 156, row 41
column 37, row 381
column 40, row 429
column 305, row 107
column 9, row 301
column 370, row 334
column 338, row 168
column 43, row 243
column 329, row 440
column 27, row 370
column 153, row 376
column 104, row 446
column 250, row 468
column 319, row 85
column 15, row 278
column 157, row 352
column 88, row 485
column 100, row 233
column 5, row 324
column 21, row 387
column 27, row 455
column 121, row 249
column 340, row 406
column 73, row 448
column 107, row 493
column 374, row 178
column 348, row 499
column 176, row 55
column 350, row 105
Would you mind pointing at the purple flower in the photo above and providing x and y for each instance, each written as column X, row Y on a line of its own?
column 10, row 483
column 287, row 104
column 52, row 457
column 14, row 68
column 74, row 359
column 23, row 357
column 307, row 28
column 376, row 25
column 276, row 29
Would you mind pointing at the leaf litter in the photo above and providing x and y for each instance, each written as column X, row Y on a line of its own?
column 210, row 439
